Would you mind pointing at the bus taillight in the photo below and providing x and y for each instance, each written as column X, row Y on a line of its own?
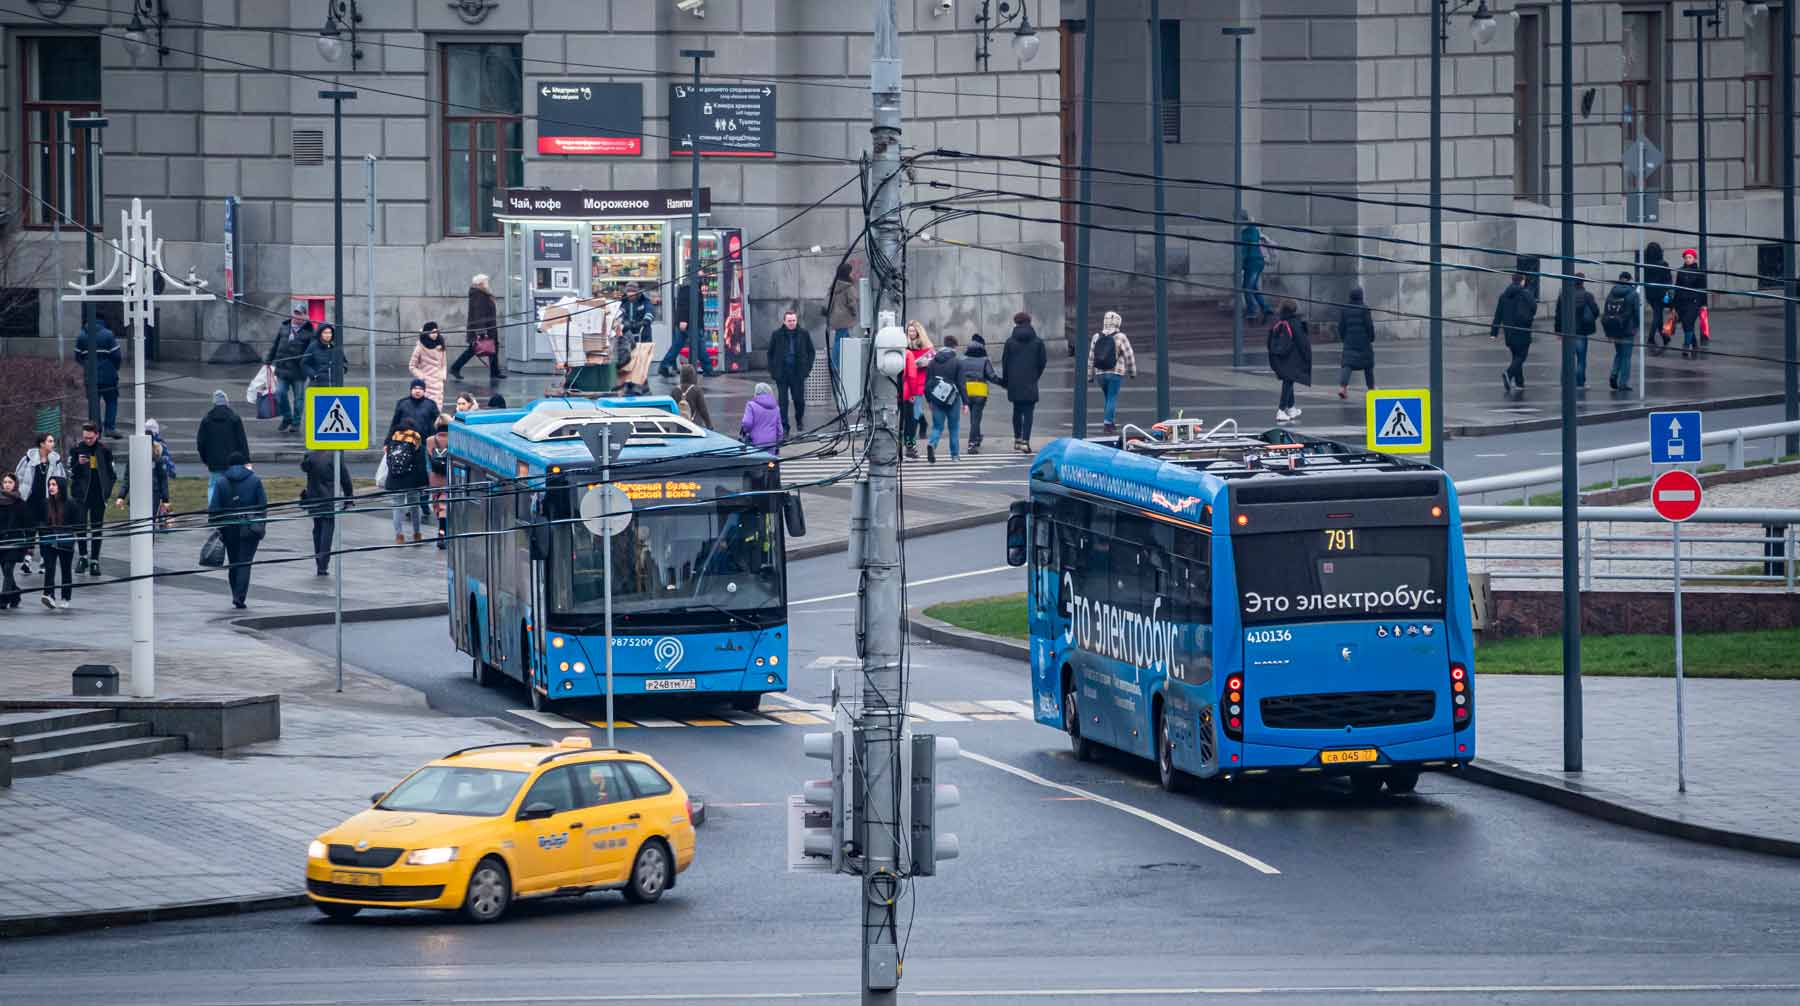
column 1462, row 696
column 1234, row 707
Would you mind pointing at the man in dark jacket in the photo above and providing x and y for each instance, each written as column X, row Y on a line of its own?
column 328, row 488
column 679, row 322
column 324, row 360
column 1514, row 313
column 221, row 435
column 239, row 508
column 98, row 340
column 1022, row 363
column 416, row 412
column 288, row 356
column 91, row 479
column 790, row 363
column 1620, row 320
column 1356, row 330
column 1587, row 320
column 1690, row 300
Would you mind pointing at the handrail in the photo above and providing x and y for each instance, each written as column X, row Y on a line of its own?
column 1624, row 514
column 1208, row 435
column 1550, row 474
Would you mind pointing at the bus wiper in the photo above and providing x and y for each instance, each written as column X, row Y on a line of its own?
column 728, row 613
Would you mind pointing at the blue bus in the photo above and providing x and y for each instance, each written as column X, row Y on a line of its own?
column 699, row 576
column 1233, row 606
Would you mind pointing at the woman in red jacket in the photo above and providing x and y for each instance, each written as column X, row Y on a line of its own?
column 914, row 425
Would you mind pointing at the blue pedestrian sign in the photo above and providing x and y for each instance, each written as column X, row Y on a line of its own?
column 1675, row 438
column 337, row 419
column 1399, row 421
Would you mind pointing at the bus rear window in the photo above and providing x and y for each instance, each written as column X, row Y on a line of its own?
column 1341, row 573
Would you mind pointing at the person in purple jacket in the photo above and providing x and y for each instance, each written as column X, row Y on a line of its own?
column 761, row 426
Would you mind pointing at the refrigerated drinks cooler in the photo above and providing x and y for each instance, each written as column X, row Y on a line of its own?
column 724, row 316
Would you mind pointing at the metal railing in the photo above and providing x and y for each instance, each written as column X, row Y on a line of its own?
column 1644, row 556
column 1550, row 477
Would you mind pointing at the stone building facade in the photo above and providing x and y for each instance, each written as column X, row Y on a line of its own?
column 232, row 108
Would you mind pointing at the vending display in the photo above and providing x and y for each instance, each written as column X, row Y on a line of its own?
column 625, row 251
column 722, row 314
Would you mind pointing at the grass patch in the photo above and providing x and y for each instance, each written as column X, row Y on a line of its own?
column 1769, row 653
column 187, row 495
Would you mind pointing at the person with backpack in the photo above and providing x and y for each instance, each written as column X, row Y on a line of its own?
column 1514, row 314
column 239, row 509
column 690, row 399
column 404, row 456
column 1022, row 363
column 287, row 355
column 1689, row 301
column 1251, row 241
column 943, row 391
column 1110, row 361
column 1290, row 357
column 1356, row 330
column 1587, row 318
column 1619, row 320
column 92, row 476
column 976, row 375
column 1659, row 289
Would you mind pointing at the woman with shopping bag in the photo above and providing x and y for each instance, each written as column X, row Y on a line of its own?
column 261, row 393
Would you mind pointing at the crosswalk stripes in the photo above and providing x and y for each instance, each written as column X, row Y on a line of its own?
column 784, row 710
column 969, row 469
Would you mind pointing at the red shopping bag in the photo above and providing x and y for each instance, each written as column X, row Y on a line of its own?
column 1705, row 328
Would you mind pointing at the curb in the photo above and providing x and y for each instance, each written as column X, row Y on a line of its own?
column 67, row 922
column 978, row 519
column 1572, row 796
column 1612, row 807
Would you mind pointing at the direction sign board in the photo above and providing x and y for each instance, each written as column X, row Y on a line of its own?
column 1642, row 156
column 1675, row 495
column 1675, row 438
column 337, row 419
column 726, row 120
column 590, row 118
column 1399, row 421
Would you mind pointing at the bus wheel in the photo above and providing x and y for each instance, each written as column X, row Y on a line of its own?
column 746, row 702
column 1167, row 774
column 479, row 669
column 1080, row 746
column 1403, row 780
column 1365, row 785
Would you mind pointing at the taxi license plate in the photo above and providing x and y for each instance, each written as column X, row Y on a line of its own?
column 1349, row 757
column 670, row 685
column 356, row 879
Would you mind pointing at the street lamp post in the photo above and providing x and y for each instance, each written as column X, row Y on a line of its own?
column 1085, row 211
column 337, row 97
column 1791, row 372
column 1571, row 541
column 696, row 334
column 1157, row 97
column 1237, row 34
column 1703, row 18
column 93, row 216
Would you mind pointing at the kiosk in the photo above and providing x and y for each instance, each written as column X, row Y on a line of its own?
column 589, row 244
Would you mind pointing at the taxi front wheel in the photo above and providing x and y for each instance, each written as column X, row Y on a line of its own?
column 649, row 874
column 489, row 893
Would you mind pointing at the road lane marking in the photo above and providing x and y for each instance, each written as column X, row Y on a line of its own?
column 794, row 703
column 934, row 714
column 799, row 719
column 617, row 724
column 1013, row 706
column 747, row 720
column 909, row 583
column 1137, row 812
column 660, row 723
column 550, row 720
column 707, row 723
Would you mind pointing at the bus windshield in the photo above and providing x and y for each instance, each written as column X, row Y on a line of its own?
column 1341, row 573
column 717, row 565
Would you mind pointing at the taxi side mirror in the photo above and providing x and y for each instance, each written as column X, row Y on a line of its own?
column 375, row 798
column 535, row 811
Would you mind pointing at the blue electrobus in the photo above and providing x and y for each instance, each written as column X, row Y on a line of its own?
column 1235, row 606
column 699, row 577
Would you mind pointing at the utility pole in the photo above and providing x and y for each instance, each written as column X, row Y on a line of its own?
column 1791, row 372
column 1703, row 16
column 1571, row 538
column 1240, row 297
column 881, row 717
column 696, row 337
column 1436, row 301
column 1157, row 97
column 1084, row 233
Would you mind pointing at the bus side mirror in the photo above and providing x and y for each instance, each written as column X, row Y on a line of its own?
column 1016, row 538
column 793, row 515
column 539, row 536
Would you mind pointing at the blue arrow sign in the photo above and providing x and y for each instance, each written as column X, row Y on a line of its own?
column 1675, row 438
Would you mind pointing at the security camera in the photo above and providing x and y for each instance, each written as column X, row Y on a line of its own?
column 943, row 7
column 694, row 7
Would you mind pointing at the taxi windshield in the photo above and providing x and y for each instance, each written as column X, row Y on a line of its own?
column 451, row 789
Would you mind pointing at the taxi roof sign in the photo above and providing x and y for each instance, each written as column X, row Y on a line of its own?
column 575, row 741
column 1399, row 421
column 336, row 419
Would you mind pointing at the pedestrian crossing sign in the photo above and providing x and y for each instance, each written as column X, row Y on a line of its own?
column 337, row 419
column 1399, row 422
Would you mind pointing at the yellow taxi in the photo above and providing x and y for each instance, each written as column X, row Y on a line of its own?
column 481, row 827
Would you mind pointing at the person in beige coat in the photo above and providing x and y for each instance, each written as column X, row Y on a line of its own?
column 429, row 362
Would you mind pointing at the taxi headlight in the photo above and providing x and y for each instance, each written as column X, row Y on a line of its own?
column 431, row 857
column 316, row 850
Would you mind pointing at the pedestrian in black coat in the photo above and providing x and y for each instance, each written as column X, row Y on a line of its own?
column 287, row 355
column 416, row 412
column 239, row 508
column 1514, row 313
column 791, row 355
column 16, row 526
column 324, row 359
column 58, row 527
column 1690, row 300
column 1022, row 363
column 92, row 476
column 221, row 435
column 1290, row 357
column 1356, row 330
column 328, row 489
column 1659, row 290
column 483, row 331
column 99, row 340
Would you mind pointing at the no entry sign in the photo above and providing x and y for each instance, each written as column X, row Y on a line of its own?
column 1675, row 495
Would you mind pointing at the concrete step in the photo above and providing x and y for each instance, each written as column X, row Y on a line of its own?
column 50, row 762
column 34, row 722
column 75, row 737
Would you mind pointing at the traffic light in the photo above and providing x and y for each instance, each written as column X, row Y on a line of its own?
column 928, row 796
column 831, row 802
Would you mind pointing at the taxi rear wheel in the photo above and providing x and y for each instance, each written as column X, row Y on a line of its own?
column 649, row 874
column 335, row 911
column 489, row 893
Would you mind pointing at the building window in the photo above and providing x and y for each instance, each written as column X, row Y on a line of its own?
column 484, row 133
column 1171, row 80
column 1529, row 169
column 1762, row 100
column 60, row 78
column 1642, row 80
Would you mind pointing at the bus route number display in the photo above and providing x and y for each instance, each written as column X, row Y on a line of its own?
column 1340, row 540
column 669, row 489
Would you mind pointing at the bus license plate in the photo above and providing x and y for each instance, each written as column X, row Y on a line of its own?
column 1349, row 757
column 356, row 879
column 670, row 685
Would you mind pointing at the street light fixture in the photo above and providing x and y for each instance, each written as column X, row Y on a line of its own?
column 340, row 15
column 137, row 33
column 1482, row 24
column 1025, row 40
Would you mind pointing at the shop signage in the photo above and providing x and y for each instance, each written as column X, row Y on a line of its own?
column 582, row 204
column 553, row 246
column 727, row 120
column 590, row 118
